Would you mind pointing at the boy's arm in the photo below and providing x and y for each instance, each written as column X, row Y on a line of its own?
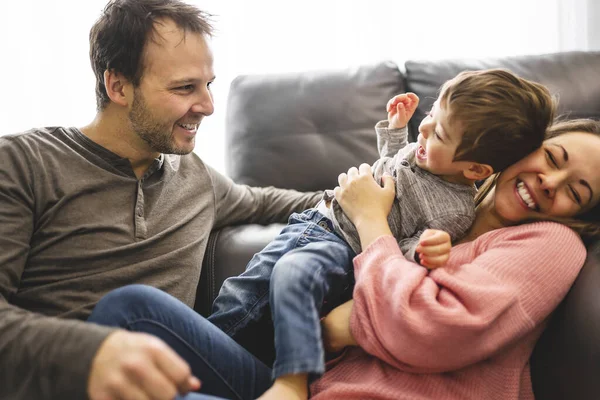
column 390, row 141
column 392, row 134
column 453, row 227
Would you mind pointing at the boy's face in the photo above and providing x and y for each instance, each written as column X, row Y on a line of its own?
column 438, row 141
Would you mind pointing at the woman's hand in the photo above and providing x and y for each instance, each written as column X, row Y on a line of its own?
column 336, row 328
column 365, row 202
column 363, row 199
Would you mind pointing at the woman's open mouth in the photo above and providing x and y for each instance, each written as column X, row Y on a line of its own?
column 525, row 196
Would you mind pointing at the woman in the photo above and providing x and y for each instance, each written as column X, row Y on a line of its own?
column 466, row 330
column 462, row 331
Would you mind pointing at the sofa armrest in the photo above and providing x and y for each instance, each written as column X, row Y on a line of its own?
column 227, row 253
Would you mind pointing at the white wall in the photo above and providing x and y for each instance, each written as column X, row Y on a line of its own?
column 47, row 80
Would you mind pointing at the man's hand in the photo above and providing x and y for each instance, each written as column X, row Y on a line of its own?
column 336, row 328
column 434, row 248
column 138, row 366
column 400, row 109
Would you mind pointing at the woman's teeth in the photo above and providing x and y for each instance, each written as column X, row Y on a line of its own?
column 525, row 196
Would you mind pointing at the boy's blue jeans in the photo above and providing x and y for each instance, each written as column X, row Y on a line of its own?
column 306, row 265
column 225, row 368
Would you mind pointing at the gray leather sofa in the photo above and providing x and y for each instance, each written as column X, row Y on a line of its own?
column 301, row 130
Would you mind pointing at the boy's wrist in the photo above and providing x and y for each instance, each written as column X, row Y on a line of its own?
column 393, row 126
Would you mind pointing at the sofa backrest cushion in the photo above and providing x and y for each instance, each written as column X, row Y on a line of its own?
column 301, row 130
column 573, row 76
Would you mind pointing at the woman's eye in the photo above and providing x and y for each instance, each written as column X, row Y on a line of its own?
column 576, row 195
column 438, row 137
column 551, row 158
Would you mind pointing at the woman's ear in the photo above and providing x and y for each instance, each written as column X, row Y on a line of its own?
column 117, row 87
column 477, row 171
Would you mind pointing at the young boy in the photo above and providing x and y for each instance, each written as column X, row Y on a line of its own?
column 481, row 122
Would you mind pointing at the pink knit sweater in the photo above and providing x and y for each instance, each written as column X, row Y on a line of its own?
column 464, row 331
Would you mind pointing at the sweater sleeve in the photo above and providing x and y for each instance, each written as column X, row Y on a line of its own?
column 420, row 321
column 390, row 141
column 40, row 357
column 239, row 204
column 456, row 225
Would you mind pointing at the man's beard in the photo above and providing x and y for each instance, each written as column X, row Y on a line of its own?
column 159, row 137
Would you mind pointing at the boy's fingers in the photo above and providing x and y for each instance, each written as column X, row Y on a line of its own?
column 435, row 250
column 437, row 261
column 413, row 97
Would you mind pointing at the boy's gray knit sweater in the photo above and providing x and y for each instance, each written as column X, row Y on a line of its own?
column 423, row 200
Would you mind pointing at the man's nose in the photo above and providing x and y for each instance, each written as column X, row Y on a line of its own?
column 204, row 103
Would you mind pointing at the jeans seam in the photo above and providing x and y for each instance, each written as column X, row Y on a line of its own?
column 129, row 324
column 229, row 330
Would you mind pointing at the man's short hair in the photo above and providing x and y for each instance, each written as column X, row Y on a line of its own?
column 497, row 111
column 119, row 36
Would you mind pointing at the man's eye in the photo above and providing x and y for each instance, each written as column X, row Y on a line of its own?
column 551, row 158
column 186, row 88
column 209, row 84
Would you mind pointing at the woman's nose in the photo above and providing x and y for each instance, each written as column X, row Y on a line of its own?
column 550, row 182
column 545, row 187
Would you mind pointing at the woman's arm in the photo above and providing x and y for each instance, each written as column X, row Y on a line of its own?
column 456, row 316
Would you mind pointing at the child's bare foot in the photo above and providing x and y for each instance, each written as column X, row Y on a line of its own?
column 288, row 387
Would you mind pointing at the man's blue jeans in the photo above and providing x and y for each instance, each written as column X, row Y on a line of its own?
column 303, row 267
column 225, row 368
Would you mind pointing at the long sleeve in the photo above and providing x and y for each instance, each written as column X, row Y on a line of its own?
column 40, row 357
column 456, row 225
column 237, row 204
column 497, row 291
column 390, row 141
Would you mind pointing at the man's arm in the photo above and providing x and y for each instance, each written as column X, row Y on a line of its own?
column 40, row 357
column 238, row 204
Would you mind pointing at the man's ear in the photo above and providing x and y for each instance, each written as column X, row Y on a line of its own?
column 477, row 171
column 118, row 88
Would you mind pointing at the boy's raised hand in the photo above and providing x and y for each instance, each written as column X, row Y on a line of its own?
column 400, row 109
column 434, row 248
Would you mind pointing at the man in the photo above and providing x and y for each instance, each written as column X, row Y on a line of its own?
column 122, row 200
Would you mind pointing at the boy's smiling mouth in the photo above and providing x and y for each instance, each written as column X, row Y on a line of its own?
column 421, row 153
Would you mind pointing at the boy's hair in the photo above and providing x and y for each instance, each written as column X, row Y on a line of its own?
column 119, row 36
column 503, row 117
